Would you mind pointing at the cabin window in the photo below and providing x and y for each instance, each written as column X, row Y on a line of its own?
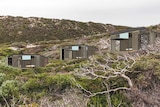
column 62, row 54
column 26, row 57
column 124, row 35
column 9, row 61
column 75, row 48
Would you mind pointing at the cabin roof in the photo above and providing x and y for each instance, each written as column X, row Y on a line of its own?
column 27, row 54
column 128, row 30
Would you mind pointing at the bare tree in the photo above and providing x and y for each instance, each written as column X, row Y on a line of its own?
column 104, row 44
column 106, row 68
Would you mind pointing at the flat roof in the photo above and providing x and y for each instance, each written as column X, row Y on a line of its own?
column 128, row 30
column 28, row 54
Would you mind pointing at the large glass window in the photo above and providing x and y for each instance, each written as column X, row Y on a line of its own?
column 124, row 35
column 75, row 48
column 26, row 57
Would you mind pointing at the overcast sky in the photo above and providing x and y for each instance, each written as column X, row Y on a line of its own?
column 118, row 12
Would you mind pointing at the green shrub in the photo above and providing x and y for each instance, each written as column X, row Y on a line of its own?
column 91, row 85
column 5, row 51
column 157, row 72
column 2, row 78
column 42, row 69
column 59, row 82
column 69, row 68
column 33, row 84
column 118, row 98
column 97, row 101
column 10, row 71
column 75, row 61
column 9, row 88
column 56, row 63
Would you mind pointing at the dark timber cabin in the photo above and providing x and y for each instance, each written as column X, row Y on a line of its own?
column 77, row 52
column 27, row 61
column 131, row 39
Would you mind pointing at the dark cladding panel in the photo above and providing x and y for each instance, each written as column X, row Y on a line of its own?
column 113, row 45
column 85, row 51
column 16, row 61
column 152, row 37
column 66, row 53
column 45, row 61
column 91, row 50
column 124, row 44
column 135, row 40
column 40, row 61
column 28, row 61
column 37, row 59
column 76, row 52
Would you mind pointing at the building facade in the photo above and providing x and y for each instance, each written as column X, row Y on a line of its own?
column 76, row 52
column 132, row 39
column 27, row 61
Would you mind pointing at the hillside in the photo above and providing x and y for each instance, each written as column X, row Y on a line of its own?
column 104, row 80
column 66, row 83
column 32, row 29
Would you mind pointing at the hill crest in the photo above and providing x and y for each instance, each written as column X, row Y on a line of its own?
column 32, row 29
